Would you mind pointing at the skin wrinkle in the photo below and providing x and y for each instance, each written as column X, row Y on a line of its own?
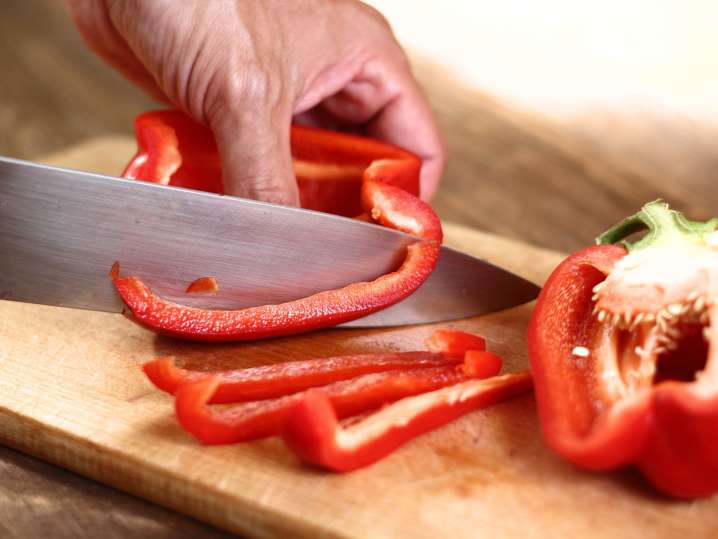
column 246, row 68
column 194, row 71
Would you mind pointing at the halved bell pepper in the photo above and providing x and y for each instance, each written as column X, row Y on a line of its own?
column 623, row 345
column 336, row 172
column 313, row 432
column 329, row 167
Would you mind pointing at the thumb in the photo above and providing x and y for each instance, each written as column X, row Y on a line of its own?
column 256, row 156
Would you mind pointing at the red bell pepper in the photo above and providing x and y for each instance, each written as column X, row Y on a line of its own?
column 269, row 381
column 330, row 167
column 313, row 432
column 623, row 344
column 453, row 342
column 259, row 419
column 203, row 285
column 386, row 204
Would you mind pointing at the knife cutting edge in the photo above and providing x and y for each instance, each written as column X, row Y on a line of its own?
column 61, row 230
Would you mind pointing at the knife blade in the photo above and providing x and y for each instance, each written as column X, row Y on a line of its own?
column 61, row 230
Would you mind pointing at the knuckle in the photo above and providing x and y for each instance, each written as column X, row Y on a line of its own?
column 243, row 88
column 267, row 190
column 374, row 15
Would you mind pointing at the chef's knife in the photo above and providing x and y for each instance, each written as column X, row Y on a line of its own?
column 61, row 230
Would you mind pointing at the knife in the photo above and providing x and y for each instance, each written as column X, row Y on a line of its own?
column 61, row 230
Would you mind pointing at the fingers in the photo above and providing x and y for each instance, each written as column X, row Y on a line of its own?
column 407, row 121
column 256, row 157
column 385, row 100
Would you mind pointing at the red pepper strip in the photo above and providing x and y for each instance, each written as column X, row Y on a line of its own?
column 314, row 434
column 203, row 285
column 114, row 270
column 259, row 419
column 330, row 167
column 670, row 429
column 481, row 364
column 385, row 203
column 452, row 342
column 269, row 381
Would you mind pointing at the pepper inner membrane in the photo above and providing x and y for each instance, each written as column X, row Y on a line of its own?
column 653, row 353
column 687, row 360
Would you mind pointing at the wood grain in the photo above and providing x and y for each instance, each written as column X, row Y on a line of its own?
column 38, row 499
column 71, row 392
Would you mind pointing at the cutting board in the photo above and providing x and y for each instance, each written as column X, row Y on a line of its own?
column 72, row 393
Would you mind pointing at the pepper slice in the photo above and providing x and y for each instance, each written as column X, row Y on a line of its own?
column 330, row 167
column 259, row 419
column 623, row 344
column 385, row 203
column 203, row 285
column 313, row 432
column 269, row 381
column 453, row 342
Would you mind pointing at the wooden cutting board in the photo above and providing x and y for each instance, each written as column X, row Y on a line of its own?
column 71, row 392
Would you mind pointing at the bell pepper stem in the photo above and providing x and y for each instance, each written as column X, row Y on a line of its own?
column 664, row 225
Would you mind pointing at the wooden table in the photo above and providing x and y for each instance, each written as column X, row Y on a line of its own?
column 552, row 179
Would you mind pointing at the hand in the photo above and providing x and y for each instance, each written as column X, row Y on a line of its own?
column 246, row 68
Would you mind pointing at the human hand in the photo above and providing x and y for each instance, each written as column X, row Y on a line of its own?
column 247, row 68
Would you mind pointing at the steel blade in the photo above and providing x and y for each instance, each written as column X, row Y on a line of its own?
column 61, row 230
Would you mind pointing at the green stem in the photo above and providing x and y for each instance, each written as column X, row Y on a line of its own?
column 663, row 224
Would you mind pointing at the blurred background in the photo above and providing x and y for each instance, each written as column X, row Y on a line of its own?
column 561, row 117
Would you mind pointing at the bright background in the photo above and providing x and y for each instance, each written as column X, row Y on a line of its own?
column 563, row 55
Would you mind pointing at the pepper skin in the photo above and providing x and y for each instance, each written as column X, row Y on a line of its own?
column 387, row 204
column 270, row 381
column 203, row 285
column 259, row 419
column 622, row 344
column 330, row 167
column 314, row 434
column 453, row 342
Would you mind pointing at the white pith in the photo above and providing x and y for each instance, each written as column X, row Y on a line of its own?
column 653, row 293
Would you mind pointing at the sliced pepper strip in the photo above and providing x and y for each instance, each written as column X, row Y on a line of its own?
column 386, row 203
column 269, row 381
column 329, row 166
column 259, row 419
column 453, row 342
column 481, row 364
column 314, row 434
column 203, row 285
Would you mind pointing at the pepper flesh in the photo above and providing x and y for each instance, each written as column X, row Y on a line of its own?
column 203, row 285
column 453, row 342
column 605, row 378
column 269, row 381
column 388, row 204
column 259, row 419
column 314, row 434
column 329, row 167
